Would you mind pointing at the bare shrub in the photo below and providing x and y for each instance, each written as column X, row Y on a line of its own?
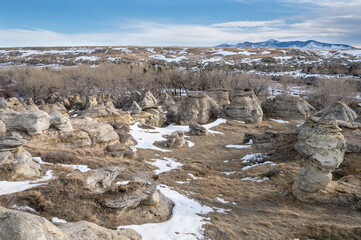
column 259, row 83
column 327, row 91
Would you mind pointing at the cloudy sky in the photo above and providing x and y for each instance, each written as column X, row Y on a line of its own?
column 176, row 22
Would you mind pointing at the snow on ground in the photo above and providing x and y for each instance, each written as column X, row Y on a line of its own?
column 165, row 164
column 81, row 168
column 265, row 52
column 151, row 50
column 229, row 173
column 87, row 58
column 237, row 146
column 278, row 120
column 146, row 138
column 123, row 49
column 223, row 52
column 26, row 53
column 122, row 183
column 184, row 224
column 161, row 57
column 254, row 159
column 246, row 53
column 249, row 61
column 221, row 200
column 213, row 59
column 57, row 220
column 7, row 187
column 255, row 179
column 24, row 208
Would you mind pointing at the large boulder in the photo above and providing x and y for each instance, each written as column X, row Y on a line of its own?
column 33, row 122
column 144, row 99
column 84, row 230
column 245, row 106
column 197, row 129
column 322, row 147
column 16, row 225
column 287, row 105
column 220, row 96
column 98, row 132
column 195, row 108
column 15, row 162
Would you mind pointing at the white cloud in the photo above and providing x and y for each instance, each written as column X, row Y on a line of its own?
column 250, row 24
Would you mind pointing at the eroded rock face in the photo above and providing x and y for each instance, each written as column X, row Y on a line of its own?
column 245, row 106
column 15, row 162
column 175, row 140
column 220, row 96
column 33, row 122
column 16, row 225
column 322, row 147
column 197, row 129
column 287, row 105
column 56, row 107
column 101, row 180
column 108, row 115
column 135, row 108
column 196, row 108
column 84, row 230
column 144, row 99
column 2, row 128
column 152, row 117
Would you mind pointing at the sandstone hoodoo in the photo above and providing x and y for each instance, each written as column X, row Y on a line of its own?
column 287, row 105
column 195, row 108
column 322, row 147
column 245, row 106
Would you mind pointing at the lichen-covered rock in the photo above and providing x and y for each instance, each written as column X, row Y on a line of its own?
column 197, row 129
column 245, row 106
column 84, row 230
column 287, row 105
column 196, row 108
column 34, row 122
column 220, row 96
column 16, row 225
column 60, row 122
column 322, row 147
column 175, row 140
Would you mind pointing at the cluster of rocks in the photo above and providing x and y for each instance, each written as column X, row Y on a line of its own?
column 24, row 226
column 287, row 105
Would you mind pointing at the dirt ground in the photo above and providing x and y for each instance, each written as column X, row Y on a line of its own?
column 252, row 210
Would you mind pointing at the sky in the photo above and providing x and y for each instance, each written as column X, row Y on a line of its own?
column 176, row 22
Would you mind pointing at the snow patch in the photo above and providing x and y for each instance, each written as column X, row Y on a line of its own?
column 165, row 165
column 237, row 146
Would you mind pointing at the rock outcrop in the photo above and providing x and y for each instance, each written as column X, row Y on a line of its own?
column 287, row 105
column 220, row 96
column 144, row 99
column 151, row 116
column 245, row 106
column 16, row 225
column 33, row 122
column 84, row 230
column 197, row 129
column 60, row 122
column 196, row 108
column 322, row 147
column 15, row 162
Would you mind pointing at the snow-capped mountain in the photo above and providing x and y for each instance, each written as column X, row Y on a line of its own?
column 310, row 44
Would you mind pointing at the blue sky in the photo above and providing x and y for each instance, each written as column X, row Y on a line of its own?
column 174, row 22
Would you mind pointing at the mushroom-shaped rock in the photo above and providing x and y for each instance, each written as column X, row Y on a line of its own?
column 14, row 157
column 287, row 105
column 245, row 106
column 322, row 148
column 17, row 225
column 195, row 108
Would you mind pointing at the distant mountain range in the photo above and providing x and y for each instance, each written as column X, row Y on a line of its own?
column 310, row 44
